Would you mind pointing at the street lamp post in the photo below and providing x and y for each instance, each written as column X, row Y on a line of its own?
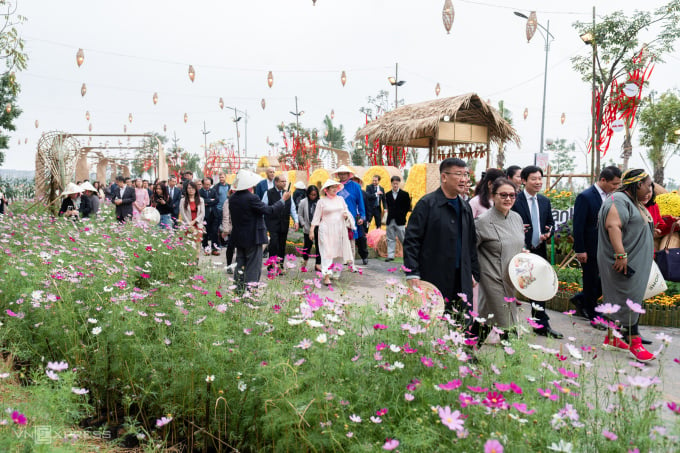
column 205, row 141
column 589, row 39
column 396, row 83
column 235, row 120
column 297, row 114
column 548, row 38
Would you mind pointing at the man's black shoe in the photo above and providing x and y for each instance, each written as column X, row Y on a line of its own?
column 576, row 302
column 389, row 259
column 548, row 332
column 364, row 261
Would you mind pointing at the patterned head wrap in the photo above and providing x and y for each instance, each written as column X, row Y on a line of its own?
column 628, row 179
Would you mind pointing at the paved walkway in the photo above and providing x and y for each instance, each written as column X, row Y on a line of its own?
column 369, row 286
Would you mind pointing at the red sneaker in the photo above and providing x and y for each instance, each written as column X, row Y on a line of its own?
column 616, row 343
column 639, row 352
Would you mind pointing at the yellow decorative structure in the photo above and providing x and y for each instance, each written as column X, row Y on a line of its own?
column 318, row 177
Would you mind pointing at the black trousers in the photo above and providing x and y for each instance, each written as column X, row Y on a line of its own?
column 362, row 246
column 307, row 246
column 248, row 267
column 211, row 226
column 592, row 287
column 277, row 244
column 541, row 316
column 374, row 213
column 230, row 251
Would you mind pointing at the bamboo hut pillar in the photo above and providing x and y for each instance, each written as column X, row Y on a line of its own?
column 82, row 169
column 488, row 153
column 101, row 169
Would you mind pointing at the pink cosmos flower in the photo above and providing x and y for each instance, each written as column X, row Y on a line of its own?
column 163, row 421
column 410, row 397
column 466, row 400
column 534, row 324
column 637, row 308
column 427, row 361
column 609, row 435
column 381, row 412
column 566, row 373
column 502, row 387
column 607, row 308
column 18, row 418
column 493, row 446
column 376, row 419
column 478, row 389
column 413, row 385
column 451, row 385
column 306, row 343
column 516, row 388
column 424, row 316
column 380, row 346
column 355, row 418
column 379, row 326
column 547, row 394
column 522, row 408
column 390, row 444
column 673, row 406
column 451, row 420
column 494, row 400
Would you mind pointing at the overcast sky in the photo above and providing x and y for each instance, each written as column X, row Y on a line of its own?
column 135, row 48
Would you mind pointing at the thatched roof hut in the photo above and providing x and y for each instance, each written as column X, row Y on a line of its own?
column 460, row 121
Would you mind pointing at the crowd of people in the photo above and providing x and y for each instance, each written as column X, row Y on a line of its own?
column 462, row 245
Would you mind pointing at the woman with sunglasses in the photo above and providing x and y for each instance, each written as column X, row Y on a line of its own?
column 500, row 236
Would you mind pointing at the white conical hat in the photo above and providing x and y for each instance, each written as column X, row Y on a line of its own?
column 331, row 182
column 87, row 186
column 300, row 185
column 245, row 180
column 150, row 215
column 71, row 188
column 533, row 276
column 343, row 169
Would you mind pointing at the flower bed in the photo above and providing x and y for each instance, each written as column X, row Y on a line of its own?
column 116, row 318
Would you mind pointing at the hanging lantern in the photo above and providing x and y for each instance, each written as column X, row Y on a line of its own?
column 267, row 139
column 447, row 15
column 87, row 116
column 343, row 78
column 192, row 73
column 26, row 140
column 313, row 2
column 124, row 128
column 332, row 113
column 83, row 90
column 221, row 104
column 130, row 117
column 186, row 117
column 526, row 112
column 270, row 79
column 532, row 25
column 89, row 127
column 437, row 89
column 155, row 98
column 19, row 142
column 263, row 103
column 80, row 57
column 165, row 128
column 631, row 90
column 563, row 118
column 8, row 108
column 37, row 123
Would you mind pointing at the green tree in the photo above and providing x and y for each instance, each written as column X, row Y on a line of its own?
column 617, row 43
column 333, row 136
column 376, row 105
column 9, row 89
column 148, row 152
column 294, row 132
column 659, row 120
column 507, row 116
column 562, row 160
column 11, row 43
column 179, row 160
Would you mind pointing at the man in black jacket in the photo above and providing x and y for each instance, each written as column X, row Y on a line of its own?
column 440, row 240
column 397, row 205
column 376, row 200
column 175, row 194
column 209, row 195
column 249, row 233
column 278, row 222
column 123, row 196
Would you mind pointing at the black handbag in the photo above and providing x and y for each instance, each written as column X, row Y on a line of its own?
column 668, row 261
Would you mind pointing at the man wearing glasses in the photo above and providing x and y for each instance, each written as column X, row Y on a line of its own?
column 440, row 241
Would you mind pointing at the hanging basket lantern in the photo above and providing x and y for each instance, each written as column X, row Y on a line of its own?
column 26, row 140
column 186, row 118
column 270, row 79
column 83, row 90
column 343, row 78
column 87, row 116
column 532, row 25
column 263, row 104
column 563, row 118
column 19, row 142
column 526, row 112
column 332, row 113
column 80, row 57
column 37, row 123
column 165, row 128
column 130, row 117
column 124, row 128
column 8, row 108
column 437, row 89
column 192, row 73
column 221, row 103
column 447, row 15
column 89, row 127
column 155, row 98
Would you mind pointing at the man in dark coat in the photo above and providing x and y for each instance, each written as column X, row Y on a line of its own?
column 212, row 222
column 249, row 233
column 586, row 210
column 440, row 241
column 278, row 222
column 266, row 184
column 376, row 202
column 123, row 196
column 536, row 213
column 175, row 195
column 397, row 205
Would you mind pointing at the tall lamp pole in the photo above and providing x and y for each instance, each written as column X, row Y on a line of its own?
column 548, row 38
column 396, row 83
column 589, row 39
column 205, row 141
column 297, row 114
column 236, row 119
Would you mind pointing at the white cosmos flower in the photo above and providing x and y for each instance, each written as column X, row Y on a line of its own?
column 394, row 348
column 92, row 320
column 96, row 331
column 295, row 321
column 321, row 338
column 78, row 391
column 314, row 323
